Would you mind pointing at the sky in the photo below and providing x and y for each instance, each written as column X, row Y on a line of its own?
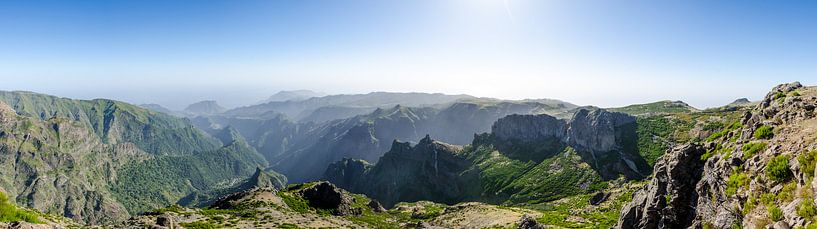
column 603, row 53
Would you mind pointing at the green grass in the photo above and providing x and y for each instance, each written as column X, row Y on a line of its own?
column 723, row 132
column 296, row 203
column 764, row 132
column 749, row 205
column 199, row 225
column 603, row 216
column 750, row 149
column 736, row 181
column 787, row 193
column 718, row 150
column 10, row 213
column 775, row 214
column 778, row 169
column 806, row 208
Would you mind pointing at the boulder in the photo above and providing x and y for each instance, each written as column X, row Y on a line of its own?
column 325, row 195
column 376, row 206
column 165, row 221
column 599, row 198
column 528, row 222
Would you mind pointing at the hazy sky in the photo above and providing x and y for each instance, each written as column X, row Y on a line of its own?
column 605, row 53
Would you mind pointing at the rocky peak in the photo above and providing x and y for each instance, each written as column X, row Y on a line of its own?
column 741, row 101
column 264, row 179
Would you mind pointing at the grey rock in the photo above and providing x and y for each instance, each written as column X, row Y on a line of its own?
column 781, row 225
column 165, row 221
column 676, row 175
column 326, row 195
column 528, row 222
column 599, row 198
column 376, row 206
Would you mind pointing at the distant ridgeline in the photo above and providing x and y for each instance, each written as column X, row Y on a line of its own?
column 99, row 161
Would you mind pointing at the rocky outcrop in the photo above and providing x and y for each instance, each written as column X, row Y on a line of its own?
column 528, row 222
column 326, row 196
column 429, row 170
column 665, row 202
column 733, row 181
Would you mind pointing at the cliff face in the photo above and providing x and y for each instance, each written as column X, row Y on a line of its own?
column 529, row 127
column 429, row 170
column 598, row 135
column 757, row 173
column 594, row 130
column 597, row 130
column 526, row 158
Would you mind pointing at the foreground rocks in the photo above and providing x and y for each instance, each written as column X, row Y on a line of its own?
column 753, row 174
column 665, row 202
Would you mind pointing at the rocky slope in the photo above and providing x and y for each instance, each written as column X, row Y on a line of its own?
column 98, row 161
column 756, row 173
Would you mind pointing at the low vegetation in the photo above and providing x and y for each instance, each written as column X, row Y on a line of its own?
column 807, row 163
column 750, row 149
column 736, row 181
column 10, row 213
column 764, row 132
column 778, row 169
column 775, row 214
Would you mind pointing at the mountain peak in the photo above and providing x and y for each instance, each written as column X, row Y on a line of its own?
column 205, row 107
column 294, row 95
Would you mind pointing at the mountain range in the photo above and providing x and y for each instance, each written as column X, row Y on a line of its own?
column 397, row 160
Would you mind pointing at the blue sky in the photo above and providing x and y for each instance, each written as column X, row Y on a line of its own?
column 606, row 53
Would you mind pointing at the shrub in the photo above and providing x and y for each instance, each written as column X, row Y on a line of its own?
column 806, row 209
column 778, row 168
column 775, row 214
column 807, row 163
column 736, row 181
column 751, row 149
column 767, row 199
column 749, row 205
column 787, row 193
column 780, row 95
column 764, row 132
